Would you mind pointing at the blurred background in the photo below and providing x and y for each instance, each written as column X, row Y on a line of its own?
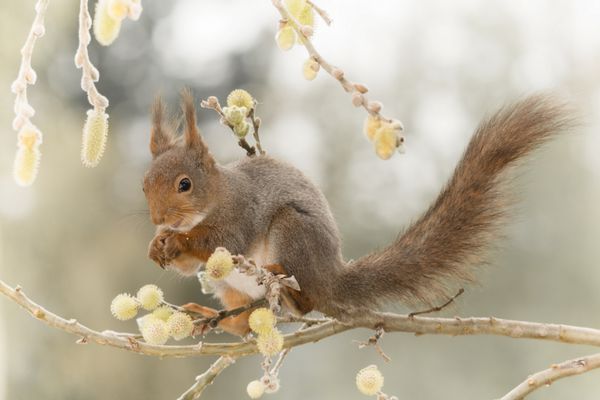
column 79, row 236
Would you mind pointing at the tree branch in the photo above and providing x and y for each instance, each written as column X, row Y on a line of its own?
column 555, row 372
column 202, row 381
column 371, row 320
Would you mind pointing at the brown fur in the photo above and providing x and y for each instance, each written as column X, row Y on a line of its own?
column 260, row 200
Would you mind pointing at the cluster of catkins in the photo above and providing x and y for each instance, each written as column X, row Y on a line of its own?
column 269, row 341
column 239, row 105
column 303, row 21
column 166, row 321
column 156, row 327
column 386, row 136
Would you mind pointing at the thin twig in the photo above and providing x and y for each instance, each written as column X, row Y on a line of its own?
column 555, row 372
column 89, row 73
column 27, row 75
column 202, row 381
column 438, row 308
column 322, row 13
column 222, row 314
column 374, row 341
column 255, row 127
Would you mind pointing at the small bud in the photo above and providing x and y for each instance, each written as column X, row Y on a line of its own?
column 30, row 76
column 369, row 380
column 357, row 99
column 234, row 114
column 219, row 264
column 270, row 343
column 95, row 132
column 106, row 28
column 307, row 16
column 124, row 307
column 17, row 86
column 240, row 98
column 150, row 296
column 39, row 30
column 155, row 331
column 255, row 389
column 135, row 11
column 180, row 325
column 241, row 129
column 162, row 313
column 286, row 37
column 310, row 69
column 271, row 384
column 262, row 321
column 307, row 30
column 212, row 101
column 374, row 106
column 337, row 73
column 361, row 88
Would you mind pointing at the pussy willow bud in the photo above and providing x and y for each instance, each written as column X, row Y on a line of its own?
column 270, row 343
column 150, row 296
column 285, row 38
column 95, row 133
column 357, row 99
column 369, row 380
column 27, row 159
column 220, row 264
column 262, row 320
column 240, row 98
column 106, row 28
column 310, row 69
column 255, row 389
column 241, row 129
column 180, row 325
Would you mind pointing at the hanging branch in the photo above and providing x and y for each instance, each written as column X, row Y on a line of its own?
column 29, row 138
column 95, row 130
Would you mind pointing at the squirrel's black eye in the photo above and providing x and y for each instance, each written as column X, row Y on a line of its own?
column 184, row 185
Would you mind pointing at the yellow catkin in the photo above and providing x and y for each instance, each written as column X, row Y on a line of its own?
column 106, row 28
column 386, row 141
column 220, row 264
column 163, row 313
column 371, row 125
column 296, row 7
column 180, row 325
column 27, row 159
column 307, row 15
column 310, row 69
column 240, row 98
column 270, row 343
column 262, row 320
column 150, row 296
column 118, row 9
column 255, row 389
column 286, row 38
column 95, row 132
column 124, row 307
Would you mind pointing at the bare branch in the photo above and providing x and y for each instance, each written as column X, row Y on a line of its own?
column 202, row 381
column 555, row 372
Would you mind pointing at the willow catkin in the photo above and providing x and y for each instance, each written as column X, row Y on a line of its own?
column 106, row 28
column 27, row 159
column 95, row 132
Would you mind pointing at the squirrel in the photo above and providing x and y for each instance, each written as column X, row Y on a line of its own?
column 269, row 210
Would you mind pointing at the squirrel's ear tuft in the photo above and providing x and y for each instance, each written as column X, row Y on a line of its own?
column 161, row 138
column 192, row 136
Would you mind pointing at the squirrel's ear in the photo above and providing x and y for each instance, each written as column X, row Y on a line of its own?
column 192, row 136
column 161, row 138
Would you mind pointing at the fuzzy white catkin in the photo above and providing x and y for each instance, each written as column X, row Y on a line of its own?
column 150, row 296
column 255, row 389
column 95, row 133
column 369, row 380
column 155, row 331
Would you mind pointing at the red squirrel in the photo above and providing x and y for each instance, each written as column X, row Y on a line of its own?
column 270, row 211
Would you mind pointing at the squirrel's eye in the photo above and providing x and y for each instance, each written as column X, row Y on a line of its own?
column 184, row 185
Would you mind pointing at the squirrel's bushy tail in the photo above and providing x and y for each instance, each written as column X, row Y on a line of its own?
column 445, row 244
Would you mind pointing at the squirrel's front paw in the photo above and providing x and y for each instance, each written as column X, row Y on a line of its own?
column 174, row 245
column 156, row 248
